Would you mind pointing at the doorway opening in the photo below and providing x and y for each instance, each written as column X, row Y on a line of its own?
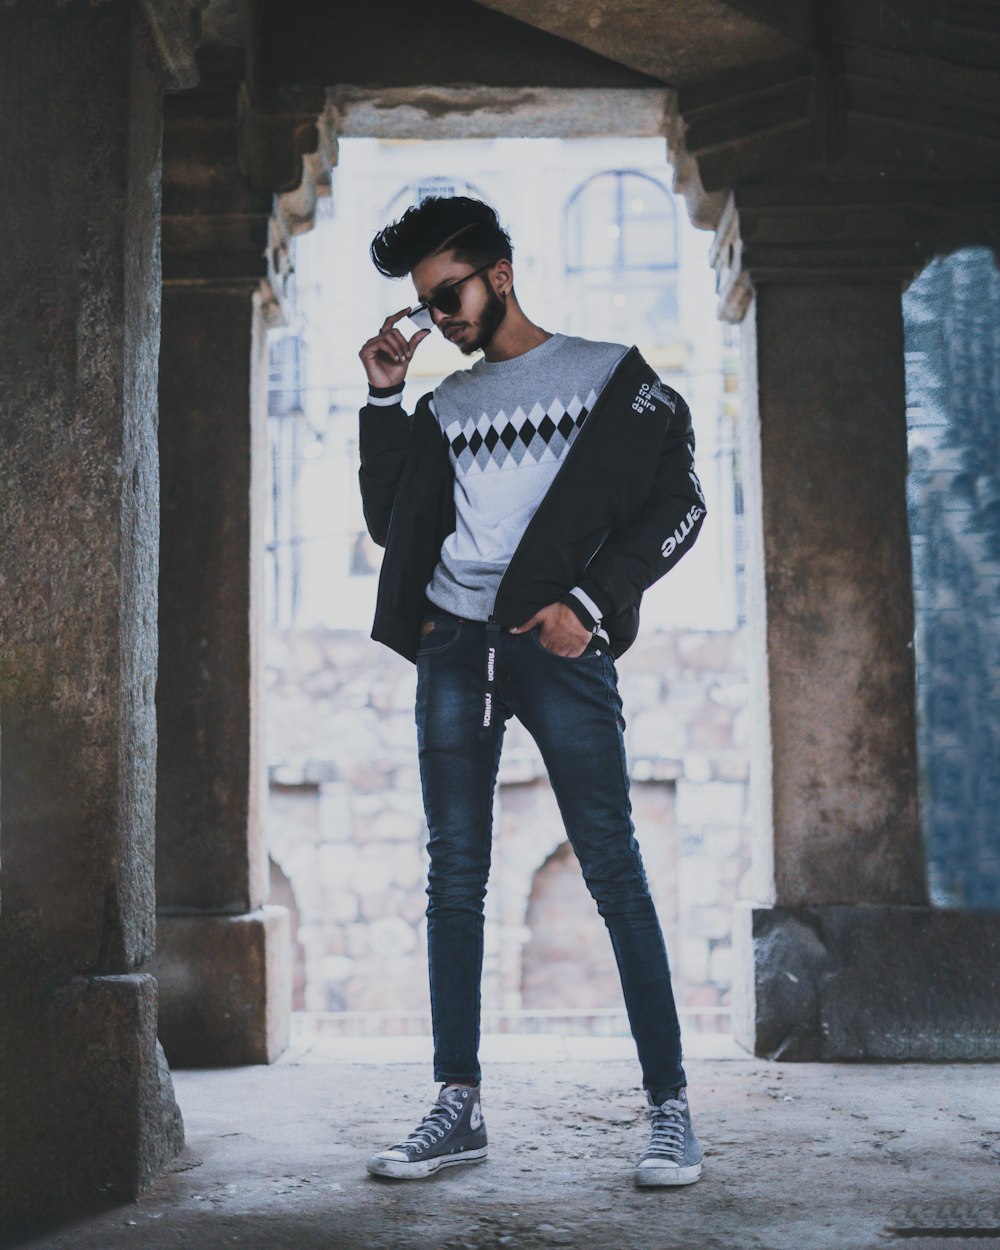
column 952, row 336
column 603, row 249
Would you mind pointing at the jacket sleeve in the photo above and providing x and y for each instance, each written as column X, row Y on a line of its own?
column 383, row 439
column 662, row 529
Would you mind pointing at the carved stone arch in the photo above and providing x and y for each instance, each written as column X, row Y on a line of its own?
column 289, row 150
column 529, row 832
column 285, row 151
column 567, row 960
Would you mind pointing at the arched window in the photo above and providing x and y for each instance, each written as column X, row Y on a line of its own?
column 434, row 184
column 621, row 258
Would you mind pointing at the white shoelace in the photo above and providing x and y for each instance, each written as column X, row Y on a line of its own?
column 667, row 1140
column 432, row 1127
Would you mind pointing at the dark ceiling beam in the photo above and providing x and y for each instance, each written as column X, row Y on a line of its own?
column 674, row 41
column 315, row 43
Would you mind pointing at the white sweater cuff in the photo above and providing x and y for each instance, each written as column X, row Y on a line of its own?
column 385, row 401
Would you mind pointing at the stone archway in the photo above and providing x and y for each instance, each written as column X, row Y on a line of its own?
column 567, row 961
column 837, row 846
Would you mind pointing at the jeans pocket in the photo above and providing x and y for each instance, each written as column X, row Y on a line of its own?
column 438, row 632
column 592, row 649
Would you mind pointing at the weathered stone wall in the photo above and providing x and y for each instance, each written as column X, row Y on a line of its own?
column 346, row 827
column 78, row 549
column 86, row 1105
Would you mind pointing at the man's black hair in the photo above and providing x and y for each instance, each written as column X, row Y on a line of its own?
column 440, row 223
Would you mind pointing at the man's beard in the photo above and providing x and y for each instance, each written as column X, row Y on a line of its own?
column 490, row 320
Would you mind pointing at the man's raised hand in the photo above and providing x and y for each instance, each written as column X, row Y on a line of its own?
column 387, row 356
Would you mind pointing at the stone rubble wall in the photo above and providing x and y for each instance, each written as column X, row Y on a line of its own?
column 346, row 828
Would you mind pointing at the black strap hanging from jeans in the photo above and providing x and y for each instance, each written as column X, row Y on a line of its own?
column 489, row 691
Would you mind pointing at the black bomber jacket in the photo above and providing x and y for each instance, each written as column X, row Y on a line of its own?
column 622, row 509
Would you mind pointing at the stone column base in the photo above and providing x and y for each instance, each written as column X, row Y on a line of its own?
column 89, row 1113
column 225, row 987
column 866, row 982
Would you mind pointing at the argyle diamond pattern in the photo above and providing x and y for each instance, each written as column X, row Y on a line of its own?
column 506, row 441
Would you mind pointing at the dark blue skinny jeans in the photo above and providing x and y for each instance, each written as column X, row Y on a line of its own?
column 572, row 709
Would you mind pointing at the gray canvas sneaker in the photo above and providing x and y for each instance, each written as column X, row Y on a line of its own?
column 453, row 1131
column 674, row 1154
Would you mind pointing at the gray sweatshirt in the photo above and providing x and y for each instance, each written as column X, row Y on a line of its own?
column 508, row 425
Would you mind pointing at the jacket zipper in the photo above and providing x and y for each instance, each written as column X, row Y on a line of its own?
column 548, row 494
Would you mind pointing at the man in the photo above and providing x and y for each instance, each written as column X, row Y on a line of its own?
column 524, row 508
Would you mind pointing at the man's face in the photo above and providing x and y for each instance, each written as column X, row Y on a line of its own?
column 481, row 310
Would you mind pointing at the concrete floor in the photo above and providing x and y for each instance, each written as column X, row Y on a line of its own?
column 798, row 1157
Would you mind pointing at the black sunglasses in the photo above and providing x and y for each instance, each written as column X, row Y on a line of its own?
column 447, row 300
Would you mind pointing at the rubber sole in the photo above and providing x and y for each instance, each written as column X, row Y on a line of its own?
column 400, row 1171
column 650, row 1178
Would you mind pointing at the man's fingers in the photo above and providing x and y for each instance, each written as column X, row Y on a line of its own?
column 393, row 343
column 561, row 632
column 394, row 317
column 396, row 343
column 529, row 624
column 390, row 343
column 415, row 342
column 379, row 343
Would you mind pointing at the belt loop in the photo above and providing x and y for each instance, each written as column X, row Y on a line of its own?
column 489, row 690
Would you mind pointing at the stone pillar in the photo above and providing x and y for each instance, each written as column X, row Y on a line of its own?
column 223, row 956
column 839, row 955
column 86, row 1105
column 827, row 418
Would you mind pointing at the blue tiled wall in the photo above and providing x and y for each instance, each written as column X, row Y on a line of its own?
column 952, row 325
